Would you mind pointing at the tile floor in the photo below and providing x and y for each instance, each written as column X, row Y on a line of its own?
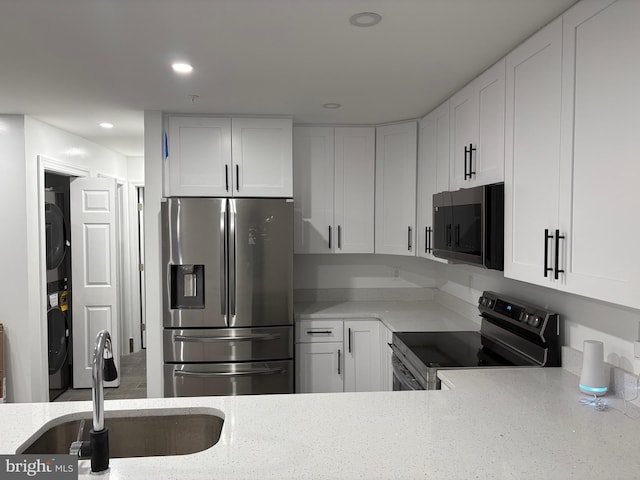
column 133, row 381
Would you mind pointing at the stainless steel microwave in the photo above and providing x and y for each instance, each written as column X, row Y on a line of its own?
column 468, row 226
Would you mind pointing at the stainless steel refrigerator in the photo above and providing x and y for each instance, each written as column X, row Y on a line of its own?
column 227, row 296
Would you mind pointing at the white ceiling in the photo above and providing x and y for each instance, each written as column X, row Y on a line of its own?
column 75, row 63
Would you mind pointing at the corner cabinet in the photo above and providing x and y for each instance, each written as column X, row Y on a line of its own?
column 433, row 173
column 396, row 157
column 338, row 356
column 334, row 189
column 223, row 157
column 477, row 130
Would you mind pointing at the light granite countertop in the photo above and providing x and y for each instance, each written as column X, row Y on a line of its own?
column 398, row 316
column 522, row 423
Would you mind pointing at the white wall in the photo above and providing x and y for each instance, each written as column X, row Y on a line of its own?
column 135, row 169
column 153, row 288
column 24, row 139
column 14, row 281
column 362, row 271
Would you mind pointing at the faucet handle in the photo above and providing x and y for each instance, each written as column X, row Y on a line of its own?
column 110, row 372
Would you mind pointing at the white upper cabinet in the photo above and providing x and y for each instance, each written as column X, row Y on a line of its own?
column 355, row 152
column 532, row 155
column 217, row 157
column 395, row 212
column 600, row 166
column 334, row 189
column 262, row 157
column 313, row 150
column 477, row 130
column 433, row 173
column 199, row 156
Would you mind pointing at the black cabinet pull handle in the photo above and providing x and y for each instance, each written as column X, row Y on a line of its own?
column 339, row 236
column 471, row 170
column 329, row 237
column 426, row 239
column 546, row 252
column 466, row 152
column 457, row 235
column 226, row 177
column 409, row 238
column 237, row 178
column 557, row 270
column 349, row 340
column 429, row 237
column 339, row 361
column 448, row 235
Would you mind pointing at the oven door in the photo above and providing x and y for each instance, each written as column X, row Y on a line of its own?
column 403, row 379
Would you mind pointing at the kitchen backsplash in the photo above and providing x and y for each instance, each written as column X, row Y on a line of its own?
column 362, row 294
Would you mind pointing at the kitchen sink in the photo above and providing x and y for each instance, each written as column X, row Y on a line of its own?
column 134, row 435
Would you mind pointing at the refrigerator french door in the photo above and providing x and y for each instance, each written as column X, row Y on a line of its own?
column 227, row 296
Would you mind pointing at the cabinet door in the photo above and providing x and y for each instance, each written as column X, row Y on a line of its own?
column 354, row 189
column 488, row 160
column 433, row 173
column 262, row 157
column 600, row 167
column 313, row 150
column 386, row 354
column 362, row 356
column 319, row 367
column 464, row 132
column 477, row 122
column 199, row 162
column 396, row 149
column 532, row 154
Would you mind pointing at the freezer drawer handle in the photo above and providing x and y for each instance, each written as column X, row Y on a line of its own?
column 248, row 373
column 240, row 338
column 319, row 332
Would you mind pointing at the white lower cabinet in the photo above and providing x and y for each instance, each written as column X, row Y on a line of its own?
column 319, row 367
column 385, row 358
column 338, row 355
column 362, row 356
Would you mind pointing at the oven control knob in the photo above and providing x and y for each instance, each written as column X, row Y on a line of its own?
column 526, row 318
column 490, row 303
column 534, row 321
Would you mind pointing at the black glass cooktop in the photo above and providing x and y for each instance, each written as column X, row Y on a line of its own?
column 464, row 349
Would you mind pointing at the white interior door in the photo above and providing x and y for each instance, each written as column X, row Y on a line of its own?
column 94, row 271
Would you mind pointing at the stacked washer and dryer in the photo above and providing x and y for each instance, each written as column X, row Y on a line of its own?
column 58, row 258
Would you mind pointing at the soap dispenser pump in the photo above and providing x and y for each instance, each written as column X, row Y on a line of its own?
column 594, row 376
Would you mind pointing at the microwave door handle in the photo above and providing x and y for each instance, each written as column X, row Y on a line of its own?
column 223, row 262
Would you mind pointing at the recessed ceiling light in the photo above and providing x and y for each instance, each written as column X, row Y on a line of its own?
column 106, row 125
column 182, row 68
column 332, row 105
column 365, row 19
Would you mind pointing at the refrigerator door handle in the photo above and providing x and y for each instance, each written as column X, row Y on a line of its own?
column 228, row 338
column 248, row 373
column 223, row 262
column 232, row 262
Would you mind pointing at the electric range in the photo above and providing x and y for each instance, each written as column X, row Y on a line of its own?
column 512, row 334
